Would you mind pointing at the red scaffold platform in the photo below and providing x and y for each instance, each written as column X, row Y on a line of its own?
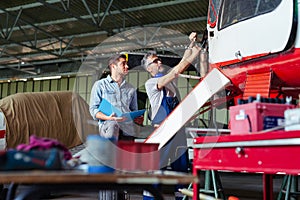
column 268, row 153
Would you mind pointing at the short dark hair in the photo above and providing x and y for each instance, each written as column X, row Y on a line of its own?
column 114, row 58
column 145, row 62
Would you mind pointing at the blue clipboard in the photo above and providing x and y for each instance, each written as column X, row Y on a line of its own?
column 107, row 108
column 134, row 114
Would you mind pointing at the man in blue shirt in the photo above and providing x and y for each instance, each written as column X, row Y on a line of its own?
column 121, row 94
column 163, row 97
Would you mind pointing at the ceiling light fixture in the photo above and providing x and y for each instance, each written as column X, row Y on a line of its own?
column 46, row 78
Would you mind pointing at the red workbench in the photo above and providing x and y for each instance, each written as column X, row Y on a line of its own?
column 268, row 153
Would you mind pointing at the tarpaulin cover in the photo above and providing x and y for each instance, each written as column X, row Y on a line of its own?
column 60, row 115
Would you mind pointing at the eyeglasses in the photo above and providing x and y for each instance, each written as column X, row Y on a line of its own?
column 156, row 60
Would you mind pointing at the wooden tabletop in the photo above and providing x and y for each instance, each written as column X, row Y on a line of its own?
column 73, row 176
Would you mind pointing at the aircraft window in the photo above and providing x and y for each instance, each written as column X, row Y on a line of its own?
column 213, row 12
column 234, row 11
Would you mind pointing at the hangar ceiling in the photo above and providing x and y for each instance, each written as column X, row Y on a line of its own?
column 48, row 35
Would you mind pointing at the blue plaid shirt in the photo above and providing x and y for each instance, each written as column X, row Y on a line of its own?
column 123, row 97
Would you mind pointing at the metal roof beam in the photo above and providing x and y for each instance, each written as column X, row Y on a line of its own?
column 84, row 50
column 19, row 70
column 61, row 51
column 18, row 64
column 105, row 13
column 12, row 27
column 125, row 14
column 8, row 29
column 114, row 12
column 65, row 7
column 108, row 46
column 66, row 12
column 89, row 11
column 26, row 6
column 128, row 28
column 36, row 28
column 38, row 4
